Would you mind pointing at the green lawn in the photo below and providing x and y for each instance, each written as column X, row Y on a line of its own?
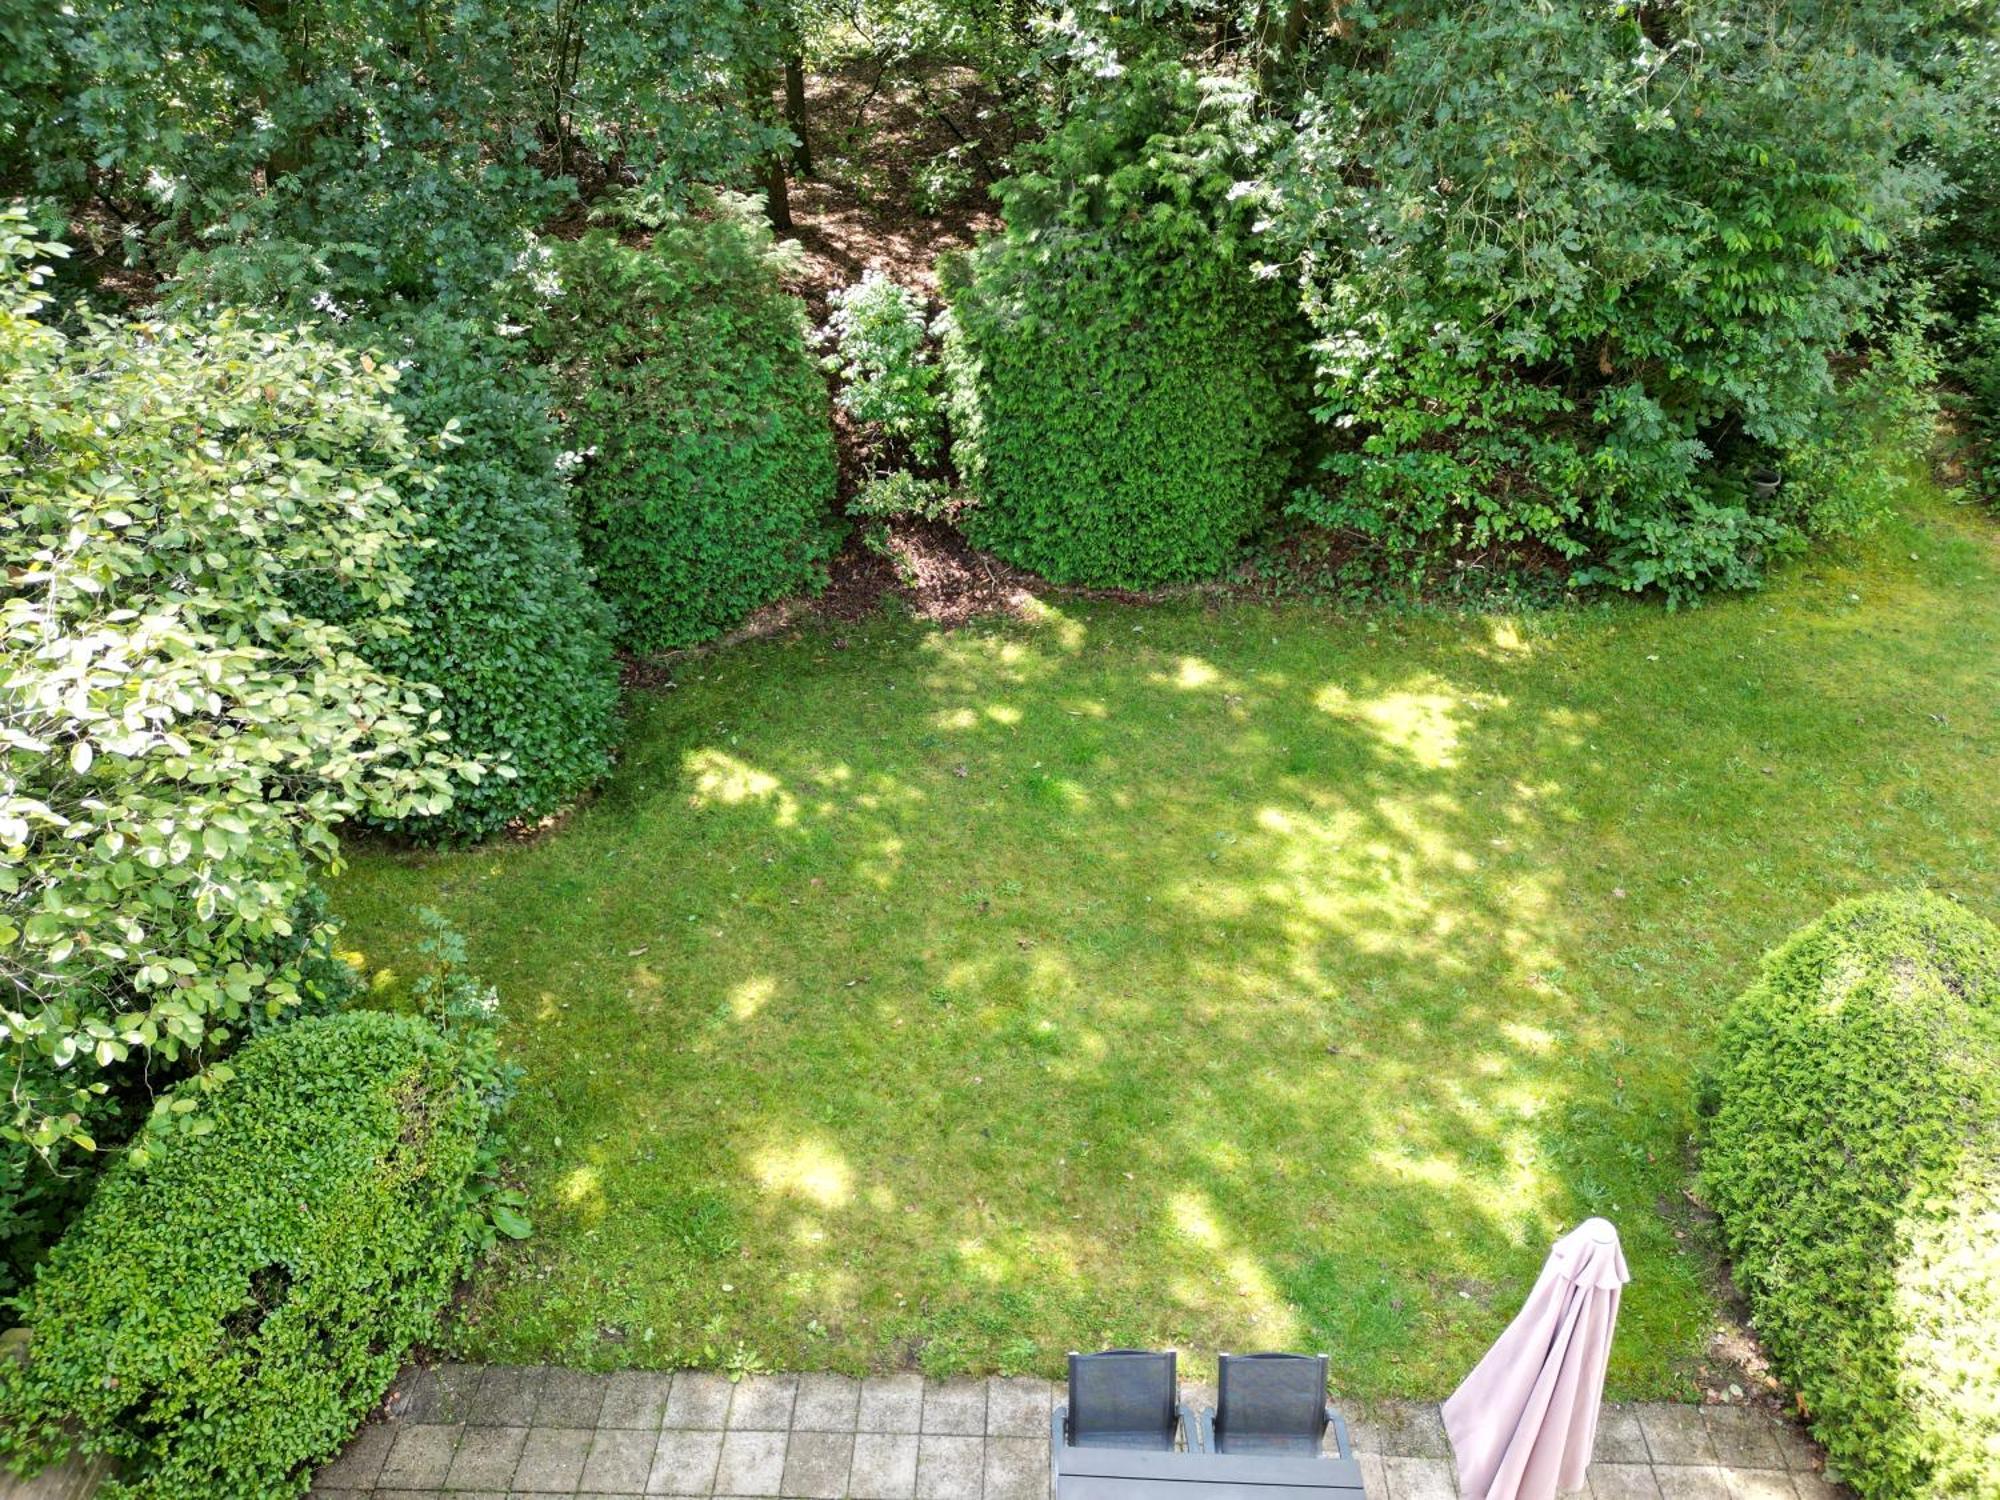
column 1211, row 976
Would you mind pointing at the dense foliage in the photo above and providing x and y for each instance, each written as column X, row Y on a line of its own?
column 399, row 146
column 698, row 422
column 1124, row 393
column 888, row 373
column 222, row 1318
column 179, row 737
column 1854, row 1156
column 1577, row 272
column 514, row 638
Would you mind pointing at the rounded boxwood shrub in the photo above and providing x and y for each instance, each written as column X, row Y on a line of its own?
column 1124, row 390
column 1854, row 1157
column 699, row 423
column 222, row 1317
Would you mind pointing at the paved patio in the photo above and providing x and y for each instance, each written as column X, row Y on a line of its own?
column 465, row 1431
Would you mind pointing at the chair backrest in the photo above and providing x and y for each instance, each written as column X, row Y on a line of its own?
column 1268, row 1397
column 1122, row 1395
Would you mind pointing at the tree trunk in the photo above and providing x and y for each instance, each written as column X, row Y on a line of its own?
column 795, row 113
column 777, row 195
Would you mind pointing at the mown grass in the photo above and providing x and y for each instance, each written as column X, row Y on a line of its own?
column 1223, row 977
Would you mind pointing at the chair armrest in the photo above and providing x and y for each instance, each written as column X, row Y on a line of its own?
column 1059, row 1425
column 1341, row 1445
column 1199, row 1425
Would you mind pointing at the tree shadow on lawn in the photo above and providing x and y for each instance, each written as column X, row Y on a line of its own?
column 1156, row 977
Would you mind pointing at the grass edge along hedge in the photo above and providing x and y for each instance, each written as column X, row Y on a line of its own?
column 699, row 423
column 223, row 1318
column 1853, row 1153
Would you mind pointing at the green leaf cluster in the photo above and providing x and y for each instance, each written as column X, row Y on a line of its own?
column 882, row 354
column 697, row 422
column 403, row 145
column 222, row 1318
column 1124, row 387
column 1853, row 1154
column 179, row 737
column 1577, row 271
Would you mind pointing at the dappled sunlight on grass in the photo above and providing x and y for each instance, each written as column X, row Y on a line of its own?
column 1221, row 977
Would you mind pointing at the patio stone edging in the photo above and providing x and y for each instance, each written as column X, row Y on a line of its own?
column 476, row 1433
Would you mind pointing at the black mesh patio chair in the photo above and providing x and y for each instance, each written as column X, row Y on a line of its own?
column 1272, row 1404
column 1122, row 1398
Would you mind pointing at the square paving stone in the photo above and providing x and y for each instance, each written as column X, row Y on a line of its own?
column 1374, row 1478
column 1743, row 1437
column 635, row 1398
column 1623, row 1482
column 885, row 1466
column 684, row 1461
column 891, row 1403
column 360, row 1461
column 571, row 1398
column 1691, row 1482
column 1619, row 1440
column 826, row 1403
column 1401, row 1429
column 1813, row 1485
column 620, row 1460
column 1797, row 1450
column 949, row 1467
column 439, row 1394
column 955, row 1407
column 506, row 1397
column 1017, row 1468
column 1419, row 1478
column 1017, row 1408
column 486, row 1458
column 552, row 1459
column 763, row 1403
column 700, row 1399
column 420, row 1457
column 753, row 1463
column 1676, row 1434
column 1758, row 1484
column 817, row 1464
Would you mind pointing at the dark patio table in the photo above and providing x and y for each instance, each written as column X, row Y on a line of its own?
column 1149, row 1474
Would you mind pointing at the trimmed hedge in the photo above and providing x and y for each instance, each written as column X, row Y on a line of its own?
column 223, row 1318
column 504, row 620
column 1124, row 392
column 1854, row 1156
column 700, row 424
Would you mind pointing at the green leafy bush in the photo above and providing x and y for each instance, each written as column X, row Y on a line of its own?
column 1978, row 370
column 882, row 354
column 698, row 423
column 182, row 737
column 513, row 637
column 1577, row 271
column 1124, row 389
column 222, row 1318
column 1854, row 1157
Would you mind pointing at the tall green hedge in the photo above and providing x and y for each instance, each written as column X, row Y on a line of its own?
column 504, row 619
column 222, row 1319
column 1124, row 389
column 1854, row 1157
column 699, row 422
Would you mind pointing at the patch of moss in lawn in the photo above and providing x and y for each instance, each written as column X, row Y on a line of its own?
column 1226, row 977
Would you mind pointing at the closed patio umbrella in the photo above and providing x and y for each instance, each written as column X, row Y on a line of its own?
column 1523, row 1423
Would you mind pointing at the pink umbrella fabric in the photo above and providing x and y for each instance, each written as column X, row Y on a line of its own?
column 1524, row 1421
